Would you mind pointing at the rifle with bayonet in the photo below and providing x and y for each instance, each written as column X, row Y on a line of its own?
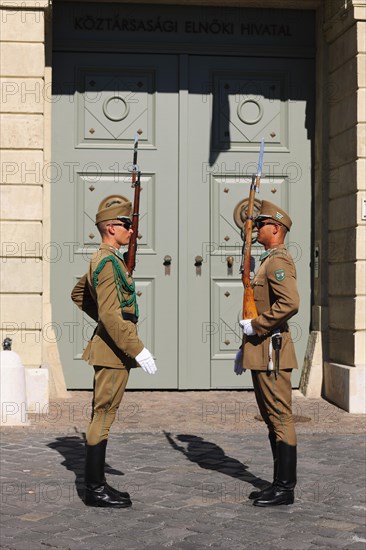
column 249, row 307
column 136, row 185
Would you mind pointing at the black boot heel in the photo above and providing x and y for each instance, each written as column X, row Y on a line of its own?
column 282, row 491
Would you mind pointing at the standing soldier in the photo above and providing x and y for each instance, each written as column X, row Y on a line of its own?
column 107, row 294
column 269, row 352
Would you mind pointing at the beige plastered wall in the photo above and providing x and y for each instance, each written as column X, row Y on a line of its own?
column 25, row 148
column 335, row 360
column 344, row 357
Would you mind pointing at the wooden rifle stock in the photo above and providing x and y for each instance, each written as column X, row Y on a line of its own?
column 132, row 246
column 249, row 307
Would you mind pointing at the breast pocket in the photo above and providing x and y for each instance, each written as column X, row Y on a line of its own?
column 258, row 289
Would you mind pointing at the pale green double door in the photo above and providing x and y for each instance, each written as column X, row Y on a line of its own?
column 202, row 119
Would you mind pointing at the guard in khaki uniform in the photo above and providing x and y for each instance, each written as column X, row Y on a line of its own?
column 269, row 351
column 107, row 294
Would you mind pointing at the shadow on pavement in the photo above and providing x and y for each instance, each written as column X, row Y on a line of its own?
column 72, row 448
column 210, row 456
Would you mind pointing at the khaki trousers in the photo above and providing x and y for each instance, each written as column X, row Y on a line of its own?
column 274, row 399
column 109, row 387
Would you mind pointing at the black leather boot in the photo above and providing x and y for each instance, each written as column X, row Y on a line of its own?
column 103, row 447
column 256, row 494
column 282, row 491
column 97, row 490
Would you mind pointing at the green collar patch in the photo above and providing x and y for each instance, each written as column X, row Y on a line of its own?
column 280, row 274
column 265, row 254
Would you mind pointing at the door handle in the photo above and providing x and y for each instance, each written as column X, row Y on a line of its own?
column 167, row 263
column 230, row 261
column 198, row 263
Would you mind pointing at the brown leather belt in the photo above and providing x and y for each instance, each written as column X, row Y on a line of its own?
column 129, row 317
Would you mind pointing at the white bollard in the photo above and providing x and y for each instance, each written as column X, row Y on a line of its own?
column 37, row 394
column 13, row 401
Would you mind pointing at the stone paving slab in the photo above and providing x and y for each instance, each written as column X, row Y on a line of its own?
column 203, row 505
column 203, row 411
column 189, row 460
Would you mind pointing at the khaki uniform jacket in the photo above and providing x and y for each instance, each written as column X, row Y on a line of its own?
column 277, row 300
column 115, row 342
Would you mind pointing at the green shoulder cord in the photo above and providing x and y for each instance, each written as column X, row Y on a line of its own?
column 122, row 285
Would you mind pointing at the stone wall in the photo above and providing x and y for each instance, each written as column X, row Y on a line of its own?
column 344, row 369
column 22, row 82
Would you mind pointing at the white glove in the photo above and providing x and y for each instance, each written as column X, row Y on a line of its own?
column 246, row 325
column 238, row 363
column 146, row 361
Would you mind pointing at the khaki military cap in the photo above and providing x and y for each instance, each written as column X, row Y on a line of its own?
column 113, row 207
column 270, row 210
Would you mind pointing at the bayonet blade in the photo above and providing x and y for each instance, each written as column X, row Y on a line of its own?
column 260, row 161
column 260, row 165
column 135, row 147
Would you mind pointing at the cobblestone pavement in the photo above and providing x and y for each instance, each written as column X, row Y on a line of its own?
column 189, row 460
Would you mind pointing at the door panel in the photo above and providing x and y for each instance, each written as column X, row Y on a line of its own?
column 106, row 98
column 242, row 101
column 113, row 99
column 245, row 102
